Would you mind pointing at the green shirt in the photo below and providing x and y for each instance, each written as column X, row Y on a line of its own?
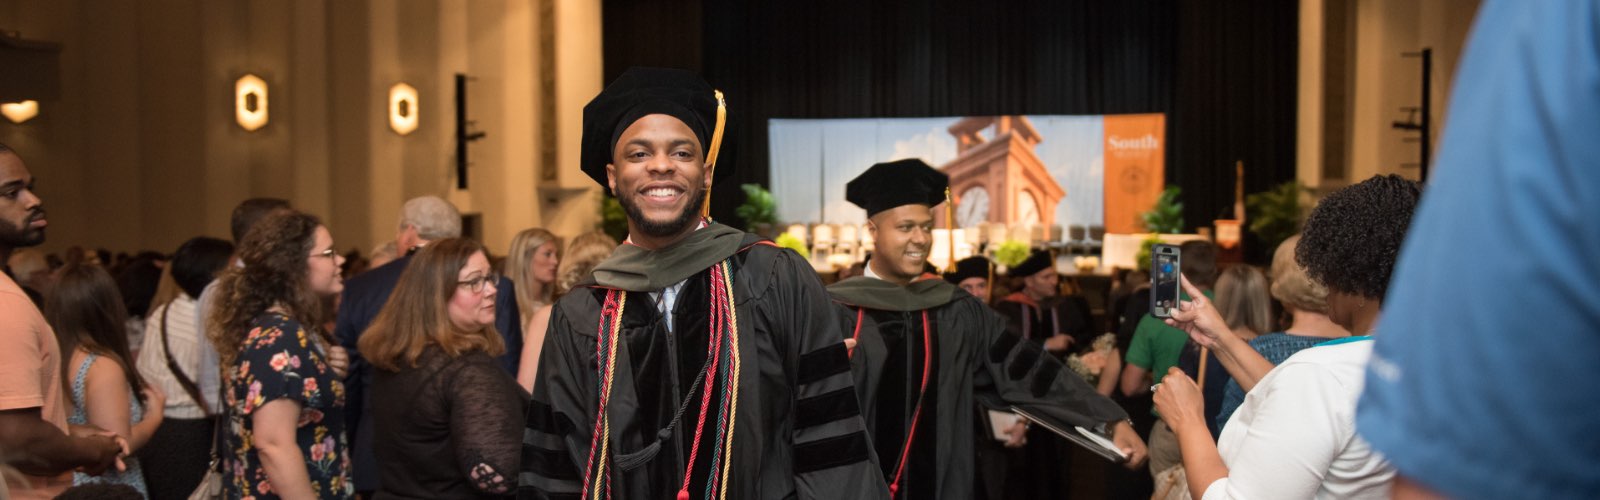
column 1156, row 346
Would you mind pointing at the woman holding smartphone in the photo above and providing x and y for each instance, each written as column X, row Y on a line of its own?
column 1294, row 436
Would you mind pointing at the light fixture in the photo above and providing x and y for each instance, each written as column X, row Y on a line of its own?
column 402, row 108
column 19, row 112
column 250, row 102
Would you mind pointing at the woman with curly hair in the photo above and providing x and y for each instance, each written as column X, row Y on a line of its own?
column 284, row 434
column 1294, row 436
column 584, row 253
column 450, row 417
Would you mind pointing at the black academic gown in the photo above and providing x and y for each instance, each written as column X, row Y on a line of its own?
column 798, row 433
column 974, row 362
column 1040, row 468
column 1039, row 320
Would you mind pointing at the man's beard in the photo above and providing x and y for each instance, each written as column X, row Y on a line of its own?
column 12, row 236
column 689, row 216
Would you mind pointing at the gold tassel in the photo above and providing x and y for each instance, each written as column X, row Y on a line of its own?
column 950, row 229
column 716, row 147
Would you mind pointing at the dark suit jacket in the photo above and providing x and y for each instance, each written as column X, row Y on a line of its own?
column 364, row 295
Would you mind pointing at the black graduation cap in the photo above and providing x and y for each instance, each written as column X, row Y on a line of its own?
column 1038, row 261
column 976, row 266
column 896, row 183
column 639, row 92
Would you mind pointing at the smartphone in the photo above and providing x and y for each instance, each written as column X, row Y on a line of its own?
column 1164, row 271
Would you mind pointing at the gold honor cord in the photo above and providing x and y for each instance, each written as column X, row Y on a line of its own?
column 950, row 229
column 716, row 147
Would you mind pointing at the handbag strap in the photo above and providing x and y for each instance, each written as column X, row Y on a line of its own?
column 177, row 372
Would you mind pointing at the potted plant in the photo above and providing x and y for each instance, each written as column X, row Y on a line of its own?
column 759, row 210
column 1275, row 214
column 613, row 219
column 1166, row 217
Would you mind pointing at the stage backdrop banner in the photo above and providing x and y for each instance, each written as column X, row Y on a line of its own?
column 1135, row 148
column 1064, row 171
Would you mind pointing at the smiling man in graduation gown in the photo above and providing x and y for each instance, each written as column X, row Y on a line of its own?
column 927, row 352
column 698, row 361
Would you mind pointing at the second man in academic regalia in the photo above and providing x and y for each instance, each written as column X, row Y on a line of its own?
column 698, row 362
column 1038, row 312
column 928, row 353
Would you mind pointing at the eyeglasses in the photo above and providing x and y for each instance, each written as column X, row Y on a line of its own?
column 476, row 285
column 329, row 253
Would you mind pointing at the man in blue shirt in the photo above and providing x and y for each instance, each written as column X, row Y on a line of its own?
column 1473, row 392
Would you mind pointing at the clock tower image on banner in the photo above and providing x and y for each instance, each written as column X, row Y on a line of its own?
column 997, row 177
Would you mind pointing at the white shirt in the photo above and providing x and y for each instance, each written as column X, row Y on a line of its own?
column 868, row 272
column 188, row 345
column 666, row 300
column 1295, row 436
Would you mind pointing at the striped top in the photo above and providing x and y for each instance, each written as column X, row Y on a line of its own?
column 187, row 342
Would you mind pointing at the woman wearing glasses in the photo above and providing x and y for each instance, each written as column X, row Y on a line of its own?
column 450, row 419
column 284, row 432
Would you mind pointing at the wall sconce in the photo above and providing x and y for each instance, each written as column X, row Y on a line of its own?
column 402, row 108
column 19, row 112
column 250, row 102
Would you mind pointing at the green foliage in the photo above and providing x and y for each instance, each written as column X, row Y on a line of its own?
column 1275, row 214
column 759, row 206
column 792, row 242
column 613, row 219
column 1011, row 252
column 1167, row 214
column 1141, row 260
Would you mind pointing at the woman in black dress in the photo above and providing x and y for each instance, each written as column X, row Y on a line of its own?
column 450, row 419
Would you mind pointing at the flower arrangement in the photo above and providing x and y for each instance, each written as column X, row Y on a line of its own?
column 1089, row 365
column 791, row 242
column 1011, row 252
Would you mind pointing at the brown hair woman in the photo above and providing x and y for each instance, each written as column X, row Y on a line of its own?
column 449, row 418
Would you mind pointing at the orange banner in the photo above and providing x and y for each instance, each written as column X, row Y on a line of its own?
column 1135, row 168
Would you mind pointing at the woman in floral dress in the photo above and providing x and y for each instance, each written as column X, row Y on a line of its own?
column 284, row 434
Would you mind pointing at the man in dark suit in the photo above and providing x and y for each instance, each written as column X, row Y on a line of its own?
column 422, row 220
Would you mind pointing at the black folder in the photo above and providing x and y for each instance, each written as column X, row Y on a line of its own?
column 1079, row 436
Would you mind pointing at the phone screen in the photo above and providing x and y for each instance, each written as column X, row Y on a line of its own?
column 1164, row 271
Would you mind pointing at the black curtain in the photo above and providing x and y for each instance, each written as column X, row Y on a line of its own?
column 1234, row 98
column 1223, row 71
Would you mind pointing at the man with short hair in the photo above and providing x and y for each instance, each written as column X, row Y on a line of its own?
column 34, row 436
column 928, row 354
column 698, row 359
column 1039, row 313
column 1157, row 347
column 423, row 220
column 244, row 216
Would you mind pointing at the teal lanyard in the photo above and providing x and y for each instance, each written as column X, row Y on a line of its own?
column 1346, row 340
